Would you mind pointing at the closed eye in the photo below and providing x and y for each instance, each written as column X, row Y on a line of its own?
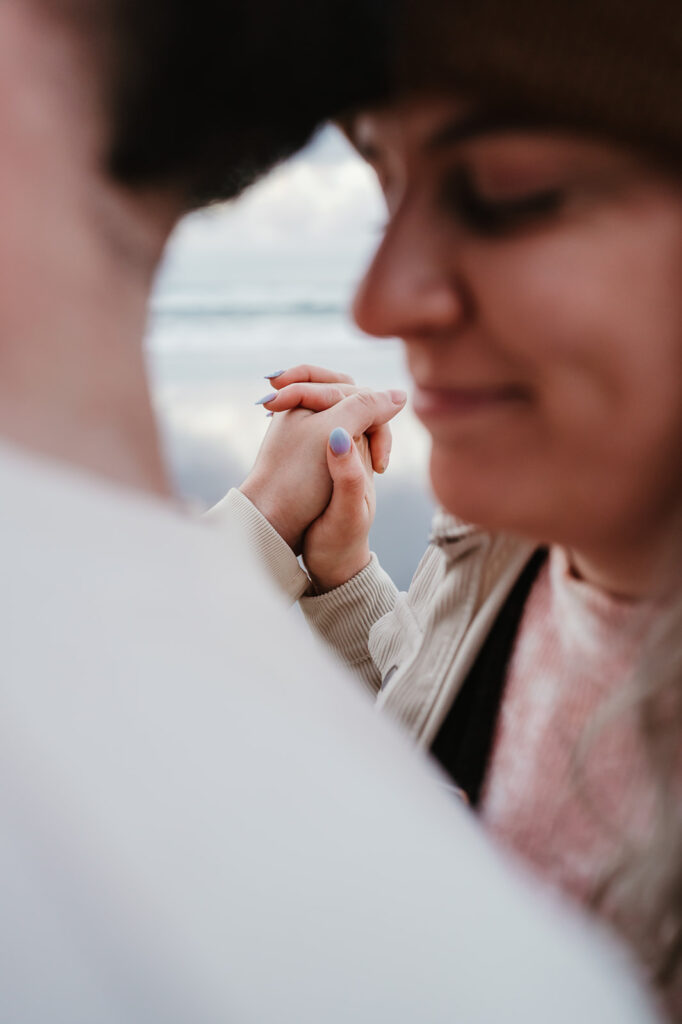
column 491, row 217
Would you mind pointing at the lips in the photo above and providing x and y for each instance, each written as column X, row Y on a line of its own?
column 435, row 402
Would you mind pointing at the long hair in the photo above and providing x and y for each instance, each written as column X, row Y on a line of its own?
column 644, row 884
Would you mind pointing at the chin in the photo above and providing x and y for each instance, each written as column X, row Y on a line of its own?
column 481, row 496
column 456, row 490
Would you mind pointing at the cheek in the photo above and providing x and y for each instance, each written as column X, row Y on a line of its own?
column 595, row 332
column 595, row 329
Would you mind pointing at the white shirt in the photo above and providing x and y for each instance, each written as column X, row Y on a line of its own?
column 201, row 818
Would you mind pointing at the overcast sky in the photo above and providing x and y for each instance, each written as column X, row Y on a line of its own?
column 325, row 202
column 303, row 233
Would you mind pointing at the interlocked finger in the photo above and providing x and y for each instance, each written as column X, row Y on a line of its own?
column 305, row 373
column 363, row 411
column 316, row 396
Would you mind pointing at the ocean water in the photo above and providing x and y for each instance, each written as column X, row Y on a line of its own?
column 220, row 323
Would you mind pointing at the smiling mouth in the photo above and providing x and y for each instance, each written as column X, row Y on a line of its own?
column 430, row 403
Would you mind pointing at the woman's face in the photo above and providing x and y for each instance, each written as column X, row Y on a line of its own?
column 535, row 279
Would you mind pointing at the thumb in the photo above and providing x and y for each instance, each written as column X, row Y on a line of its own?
column 348, row 505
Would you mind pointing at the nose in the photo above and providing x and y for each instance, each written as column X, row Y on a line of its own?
column 412, row 288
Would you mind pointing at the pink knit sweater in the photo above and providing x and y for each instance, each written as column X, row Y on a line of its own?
column 575, row 649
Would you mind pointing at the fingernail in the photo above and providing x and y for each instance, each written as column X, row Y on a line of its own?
column 269, row 414
column 384, row 466
column 340, row 441
column 398, row 397
column 271, row 376
column 266, row 398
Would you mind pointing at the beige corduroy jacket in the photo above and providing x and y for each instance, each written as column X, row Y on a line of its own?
column 412, row 650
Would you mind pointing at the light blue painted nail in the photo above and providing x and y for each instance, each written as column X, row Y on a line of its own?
column 266, row 398
column 340, row 441
column 271, row 376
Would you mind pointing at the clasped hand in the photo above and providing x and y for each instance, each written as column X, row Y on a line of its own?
column 313, row 479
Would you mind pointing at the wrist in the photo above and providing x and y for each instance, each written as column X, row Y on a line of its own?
column 334, row 573
column 269, row 507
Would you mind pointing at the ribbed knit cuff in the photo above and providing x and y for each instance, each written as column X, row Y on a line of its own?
column 274, row 554
column 344, row 616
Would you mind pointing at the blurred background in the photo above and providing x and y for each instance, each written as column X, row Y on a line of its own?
column 265, row 283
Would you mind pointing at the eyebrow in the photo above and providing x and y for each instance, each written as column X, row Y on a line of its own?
column 481, row 123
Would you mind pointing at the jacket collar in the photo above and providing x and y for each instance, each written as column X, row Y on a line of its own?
column 446, row 527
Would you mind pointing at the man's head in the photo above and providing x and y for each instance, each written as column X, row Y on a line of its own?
column 116, row 116
column 205, row 95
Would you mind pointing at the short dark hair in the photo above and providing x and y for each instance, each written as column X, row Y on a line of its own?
column 206, row 95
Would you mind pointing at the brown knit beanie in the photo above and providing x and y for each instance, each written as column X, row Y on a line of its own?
column 608, row 67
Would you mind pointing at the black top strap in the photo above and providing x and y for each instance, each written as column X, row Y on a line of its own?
column 464, row 741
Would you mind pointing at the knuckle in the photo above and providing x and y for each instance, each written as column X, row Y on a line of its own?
column 355, row 483
column 334, row 376
column 364, row 398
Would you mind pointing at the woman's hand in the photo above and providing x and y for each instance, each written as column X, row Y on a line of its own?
column 292, row 385
column 290, row 482
column 336, row 545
